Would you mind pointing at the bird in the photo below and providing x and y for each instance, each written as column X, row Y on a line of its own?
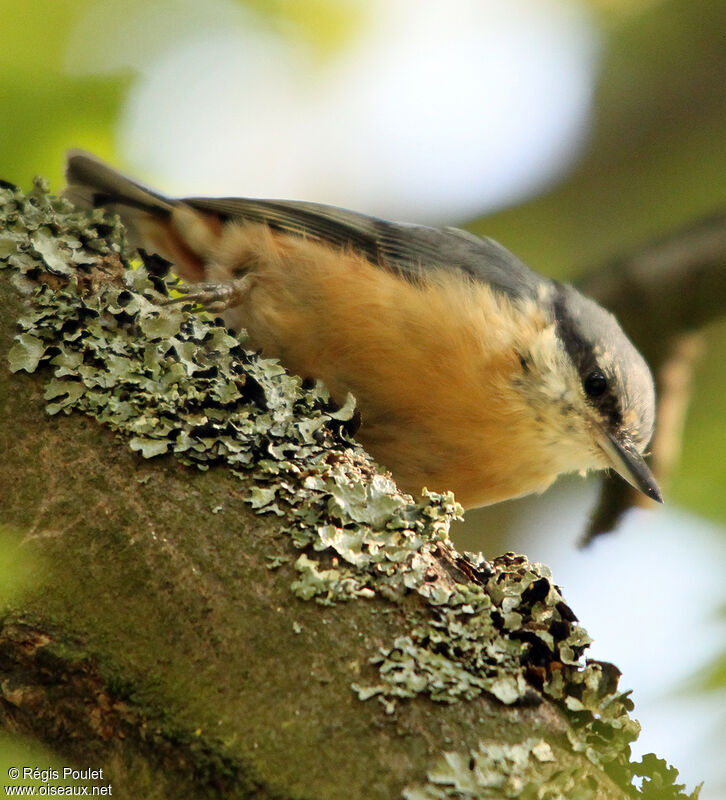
column 472, row 372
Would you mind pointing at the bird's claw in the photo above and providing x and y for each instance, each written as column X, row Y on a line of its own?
column 215, row 297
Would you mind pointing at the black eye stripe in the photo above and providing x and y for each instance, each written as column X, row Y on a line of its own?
column 583, row 357
column 579, row 350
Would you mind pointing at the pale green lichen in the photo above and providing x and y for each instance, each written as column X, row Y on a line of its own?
column 173, row 381
column 494, row 770
column 530, row 770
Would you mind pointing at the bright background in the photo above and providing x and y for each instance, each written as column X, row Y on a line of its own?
column 570, row 131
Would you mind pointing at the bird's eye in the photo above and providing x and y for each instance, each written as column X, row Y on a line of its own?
column 595, row 384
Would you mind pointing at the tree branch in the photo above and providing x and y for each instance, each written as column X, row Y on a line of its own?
column 674, row 285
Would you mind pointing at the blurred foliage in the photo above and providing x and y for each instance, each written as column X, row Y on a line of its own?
column 18, row 570
column 713, row 678
column 328, row 25
column 17, row 752
column 44, row 111
column 616, row 9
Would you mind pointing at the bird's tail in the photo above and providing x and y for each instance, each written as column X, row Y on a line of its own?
column 153, row 221
column 92, row 184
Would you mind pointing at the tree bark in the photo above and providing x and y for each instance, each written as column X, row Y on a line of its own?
column 170, row 636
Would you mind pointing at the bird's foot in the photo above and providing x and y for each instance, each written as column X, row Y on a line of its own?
column 215, row 297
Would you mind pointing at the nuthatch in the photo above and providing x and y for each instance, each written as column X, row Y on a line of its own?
column 471, row 372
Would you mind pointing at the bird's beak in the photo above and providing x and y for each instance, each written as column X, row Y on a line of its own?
column 625, row 459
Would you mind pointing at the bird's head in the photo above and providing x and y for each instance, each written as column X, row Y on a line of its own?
column 591, row 390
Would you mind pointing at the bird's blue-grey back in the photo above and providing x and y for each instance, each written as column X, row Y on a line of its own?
column 404, row 247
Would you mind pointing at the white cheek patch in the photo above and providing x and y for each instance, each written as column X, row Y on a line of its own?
column 559, row 381
column 554, row 393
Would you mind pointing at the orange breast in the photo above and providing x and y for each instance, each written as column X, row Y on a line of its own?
column 432, row 363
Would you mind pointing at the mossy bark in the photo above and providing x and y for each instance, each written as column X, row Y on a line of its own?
column 158, row 644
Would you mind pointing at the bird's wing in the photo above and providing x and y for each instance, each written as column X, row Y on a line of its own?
column 405, row 248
